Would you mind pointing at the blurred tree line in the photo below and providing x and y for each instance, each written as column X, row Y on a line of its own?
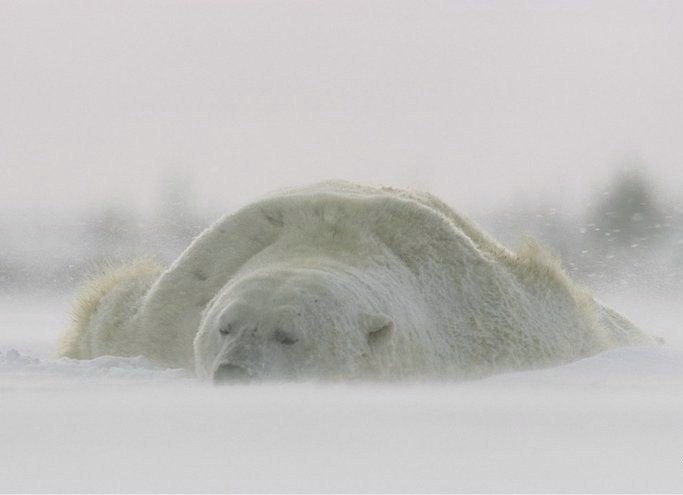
column 58, row 252
column 627, row 235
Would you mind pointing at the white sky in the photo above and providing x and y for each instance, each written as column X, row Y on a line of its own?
column 479, row 102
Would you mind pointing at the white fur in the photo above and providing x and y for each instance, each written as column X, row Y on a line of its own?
column 342, row 280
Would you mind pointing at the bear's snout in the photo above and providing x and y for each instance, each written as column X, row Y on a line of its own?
column 230, row 373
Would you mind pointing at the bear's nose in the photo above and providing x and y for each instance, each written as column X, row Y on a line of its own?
column 230, row 373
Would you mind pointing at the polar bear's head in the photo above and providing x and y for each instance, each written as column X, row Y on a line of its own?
column 292, row 323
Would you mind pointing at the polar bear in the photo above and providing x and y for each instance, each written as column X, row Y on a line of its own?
column 339, row 280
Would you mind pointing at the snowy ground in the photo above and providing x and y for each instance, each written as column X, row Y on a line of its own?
column 613, row 422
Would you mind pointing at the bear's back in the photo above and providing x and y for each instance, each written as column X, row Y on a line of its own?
column 414, row 228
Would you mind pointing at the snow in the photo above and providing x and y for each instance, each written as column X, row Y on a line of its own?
column 611, row 422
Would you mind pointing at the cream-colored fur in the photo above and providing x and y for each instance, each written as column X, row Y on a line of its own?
column 103, row 308
column 343, row 280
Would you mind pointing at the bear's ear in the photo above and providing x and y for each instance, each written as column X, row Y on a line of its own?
column 378, row 328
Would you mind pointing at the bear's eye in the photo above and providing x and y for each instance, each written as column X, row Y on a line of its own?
column 283, row 337
column 225, row 330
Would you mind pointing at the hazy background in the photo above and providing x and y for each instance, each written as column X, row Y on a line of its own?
column 126, row 127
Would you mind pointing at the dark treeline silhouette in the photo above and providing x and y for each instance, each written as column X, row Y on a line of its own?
column 627, row 235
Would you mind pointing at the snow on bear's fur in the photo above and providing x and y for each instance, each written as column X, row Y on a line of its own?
column 339, row 280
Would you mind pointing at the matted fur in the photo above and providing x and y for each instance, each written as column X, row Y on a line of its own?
column 365, row 281
column 105, row 278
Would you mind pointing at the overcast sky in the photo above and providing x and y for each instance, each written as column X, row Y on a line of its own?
column 479, row 102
